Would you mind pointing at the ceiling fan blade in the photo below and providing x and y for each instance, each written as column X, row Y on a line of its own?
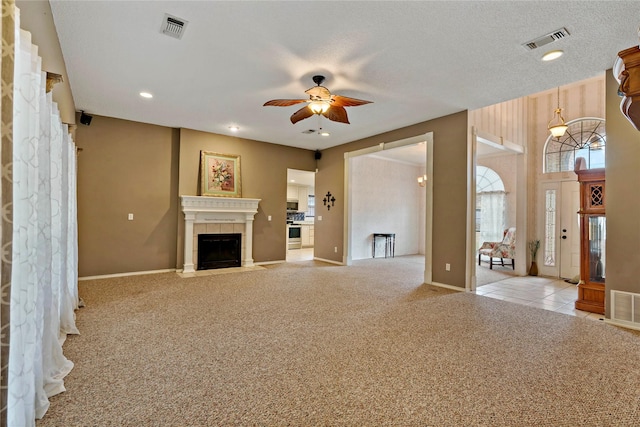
column 319, row 92
column 301, row 114
column 336, row 113
column 344, row 101
column 284, row 102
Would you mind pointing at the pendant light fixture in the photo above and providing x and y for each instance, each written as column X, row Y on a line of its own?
column 556, row 125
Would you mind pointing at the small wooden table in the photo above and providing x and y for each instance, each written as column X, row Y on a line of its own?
column 389, row 244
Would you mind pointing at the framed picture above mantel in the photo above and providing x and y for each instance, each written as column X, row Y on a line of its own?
column 220, row 175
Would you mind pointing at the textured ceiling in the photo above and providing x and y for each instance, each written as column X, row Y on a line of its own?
column 415, row 60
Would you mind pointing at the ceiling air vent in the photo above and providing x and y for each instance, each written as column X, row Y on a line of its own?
column 549, row 38
column 173, row 26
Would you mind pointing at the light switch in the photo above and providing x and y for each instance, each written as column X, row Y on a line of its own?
column 130, row 217
column 269, row 218
column 320, row 218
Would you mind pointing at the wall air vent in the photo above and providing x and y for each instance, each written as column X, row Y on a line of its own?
column 173, row 26
column 625, row 309
column 549, row 38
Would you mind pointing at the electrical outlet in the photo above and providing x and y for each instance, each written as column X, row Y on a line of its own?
column 130, row 217
column 335, row 249
column 447, row 267
column 269, row 218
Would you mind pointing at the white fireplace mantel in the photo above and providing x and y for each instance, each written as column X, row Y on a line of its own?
column 198, row 209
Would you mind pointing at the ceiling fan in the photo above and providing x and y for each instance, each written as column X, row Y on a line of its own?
column 320, row 102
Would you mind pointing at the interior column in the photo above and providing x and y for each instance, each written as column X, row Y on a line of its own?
column 247, row 259
column 189, row 219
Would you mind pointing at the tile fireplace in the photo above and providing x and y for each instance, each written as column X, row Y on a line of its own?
column 217, row 215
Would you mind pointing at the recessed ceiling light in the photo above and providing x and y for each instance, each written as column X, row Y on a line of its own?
column 324, row 134
column 146, row 95
column 554, row 54
column 293, row 180
column 234, row 128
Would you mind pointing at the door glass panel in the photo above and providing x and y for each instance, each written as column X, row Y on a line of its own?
column 597, row 255
column 550, row 228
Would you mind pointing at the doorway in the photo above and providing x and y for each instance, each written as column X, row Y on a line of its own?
column 390, row 200
column 300, row 230
column 507, row 161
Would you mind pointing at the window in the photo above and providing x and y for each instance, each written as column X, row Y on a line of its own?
column 490, row 204
column 311, row 206
column 550, row 228
column 585, row 138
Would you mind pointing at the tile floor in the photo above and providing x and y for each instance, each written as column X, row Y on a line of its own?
column 542, row 292
column 304, row 254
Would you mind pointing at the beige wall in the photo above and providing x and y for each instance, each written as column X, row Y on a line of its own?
column 129, row 167
column 264, row 176
column 622, row 198
column 507, row 120
column 449, row 194
column 126, row 167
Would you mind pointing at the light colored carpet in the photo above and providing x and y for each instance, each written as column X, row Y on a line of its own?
column 312, row 344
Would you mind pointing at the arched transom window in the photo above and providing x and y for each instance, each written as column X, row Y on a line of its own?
column 487, row 180
column 585, row 138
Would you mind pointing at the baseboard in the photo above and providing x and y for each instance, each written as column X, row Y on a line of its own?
column 269, row 262
column 328, row 260
column 132, row 273
column 442, row 285
column 629, row 325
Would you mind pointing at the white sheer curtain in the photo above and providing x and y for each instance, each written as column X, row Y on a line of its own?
column 492, row 211
column 44, row 276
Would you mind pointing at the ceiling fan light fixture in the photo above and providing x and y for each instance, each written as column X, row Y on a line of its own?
column 320, row 102
column 319, row 107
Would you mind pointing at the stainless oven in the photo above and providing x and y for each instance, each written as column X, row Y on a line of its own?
column 294, row 238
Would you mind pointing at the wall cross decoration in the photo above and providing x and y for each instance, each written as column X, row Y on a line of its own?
column 329, row 200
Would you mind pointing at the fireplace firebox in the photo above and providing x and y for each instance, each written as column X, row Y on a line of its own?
column 219, row 251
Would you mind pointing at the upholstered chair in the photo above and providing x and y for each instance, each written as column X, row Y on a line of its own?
column 506, row 249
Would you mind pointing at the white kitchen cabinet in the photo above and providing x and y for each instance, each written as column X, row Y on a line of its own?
column 303, row 198
column 300, row 193
column 292, row 192
column 306, row 234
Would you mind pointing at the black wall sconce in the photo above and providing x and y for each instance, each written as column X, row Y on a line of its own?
column 329, row 200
